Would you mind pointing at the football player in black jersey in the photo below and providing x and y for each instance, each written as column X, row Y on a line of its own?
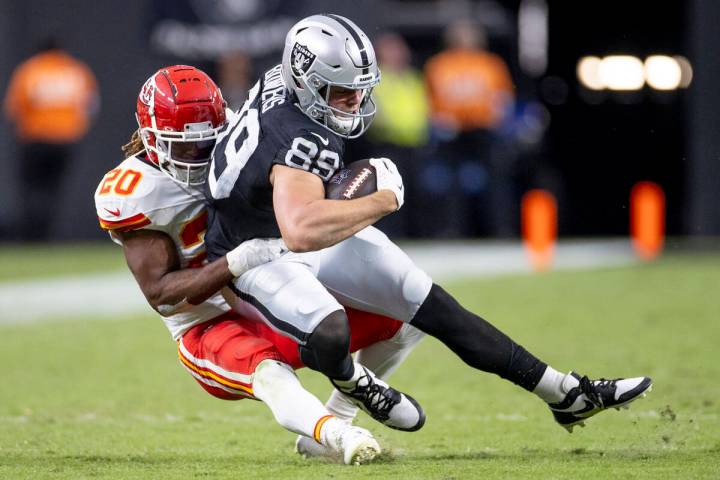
column 267, row 180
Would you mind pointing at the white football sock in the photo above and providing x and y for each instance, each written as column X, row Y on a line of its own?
column 328, row 432
column 554, row 385
column 339, row 405
column 294, row 408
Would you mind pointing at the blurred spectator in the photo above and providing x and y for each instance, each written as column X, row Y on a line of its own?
column 51, row 99
column 470, row 88
column 401, row 124
column 234, row 74
column 402, row 118
column 471, row 94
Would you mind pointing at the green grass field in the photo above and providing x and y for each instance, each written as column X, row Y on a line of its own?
column 39, row 261
column 82, row 398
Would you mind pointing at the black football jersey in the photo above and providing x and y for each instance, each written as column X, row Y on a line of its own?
column 269, row 129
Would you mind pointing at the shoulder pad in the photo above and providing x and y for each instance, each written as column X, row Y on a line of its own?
column 136, row 195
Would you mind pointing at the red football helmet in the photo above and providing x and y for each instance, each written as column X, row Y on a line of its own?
column 180, row 112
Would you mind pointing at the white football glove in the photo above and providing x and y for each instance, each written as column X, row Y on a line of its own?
column 388, row 178
column 254, row 252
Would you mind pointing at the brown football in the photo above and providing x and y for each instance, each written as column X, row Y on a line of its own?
column 354, row 181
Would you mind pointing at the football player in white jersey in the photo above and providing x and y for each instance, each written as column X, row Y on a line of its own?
column 267, row 179
column 150, row 204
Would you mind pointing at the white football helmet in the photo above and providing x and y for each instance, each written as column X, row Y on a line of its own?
column 324, row 51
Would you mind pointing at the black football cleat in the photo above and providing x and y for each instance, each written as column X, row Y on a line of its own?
column 388, row 406
column 591, row 397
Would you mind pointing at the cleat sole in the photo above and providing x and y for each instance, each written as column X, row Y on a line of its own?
column 364, row 456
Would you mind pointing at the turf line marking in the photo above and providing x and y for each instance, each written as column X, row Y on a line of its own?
column 111, row 295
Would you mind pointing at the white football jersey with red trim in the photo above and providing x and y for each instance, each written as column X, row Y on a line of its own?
column 137, row 195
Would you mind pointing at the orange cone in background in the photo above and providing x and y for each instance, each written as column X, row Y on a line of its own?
column 647, row 219
column 539, row 227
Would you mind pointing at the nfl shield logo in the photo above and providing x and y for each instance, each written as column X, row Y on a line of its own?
column 301, row 59
column 341, row 176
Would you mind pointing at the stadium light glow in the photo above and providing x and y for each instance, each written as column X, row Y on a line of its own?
column 588, row 71
column 686, row 71
column 533, row 36
column 662, row 72
column 622, row 72
column 627, row 72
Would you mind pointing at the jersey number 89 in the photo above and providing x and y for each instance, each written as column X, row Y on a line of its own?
column 239, row 140
column 235, row 145
column 303, row 154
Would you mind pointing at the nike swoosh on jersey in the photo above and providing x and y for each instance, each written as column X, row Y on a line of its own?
column 325, row 141
column 115, row 212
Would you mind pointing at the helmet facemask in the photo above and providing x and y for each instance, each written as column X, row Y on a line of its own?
column 184, row 156
column 345, row 124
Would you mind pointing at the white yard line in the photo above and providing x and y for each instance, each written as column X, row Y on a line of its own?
column 67, row 297
column 444, row 261
column 108, row 295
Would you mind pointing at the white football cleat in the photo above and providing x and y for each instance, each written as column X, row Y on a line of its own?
column 350, row 445
column 309, row 448
column 358, row 446
column 591, row 397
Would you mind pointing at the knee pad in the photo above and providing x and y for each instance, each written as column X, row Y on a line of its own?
column 331, row 335
column 327, row 350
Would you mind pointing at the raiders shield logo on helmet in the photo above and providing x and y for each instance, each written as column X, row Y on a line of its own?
column 301, row 59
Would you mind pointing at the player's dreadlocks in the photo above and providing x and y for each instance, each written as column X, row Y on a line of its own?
column 134, row 145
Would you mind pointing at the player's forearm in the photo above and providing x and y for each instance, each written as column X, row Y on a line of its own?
column 192, row 285
column 323, row 223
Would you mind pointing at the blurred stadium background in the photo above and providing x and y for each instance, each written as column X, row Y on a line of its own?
column 588, row 147
column 590, row 119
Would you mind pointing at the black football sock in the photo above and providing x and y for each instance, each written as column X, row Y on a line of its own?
column 475, row 341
